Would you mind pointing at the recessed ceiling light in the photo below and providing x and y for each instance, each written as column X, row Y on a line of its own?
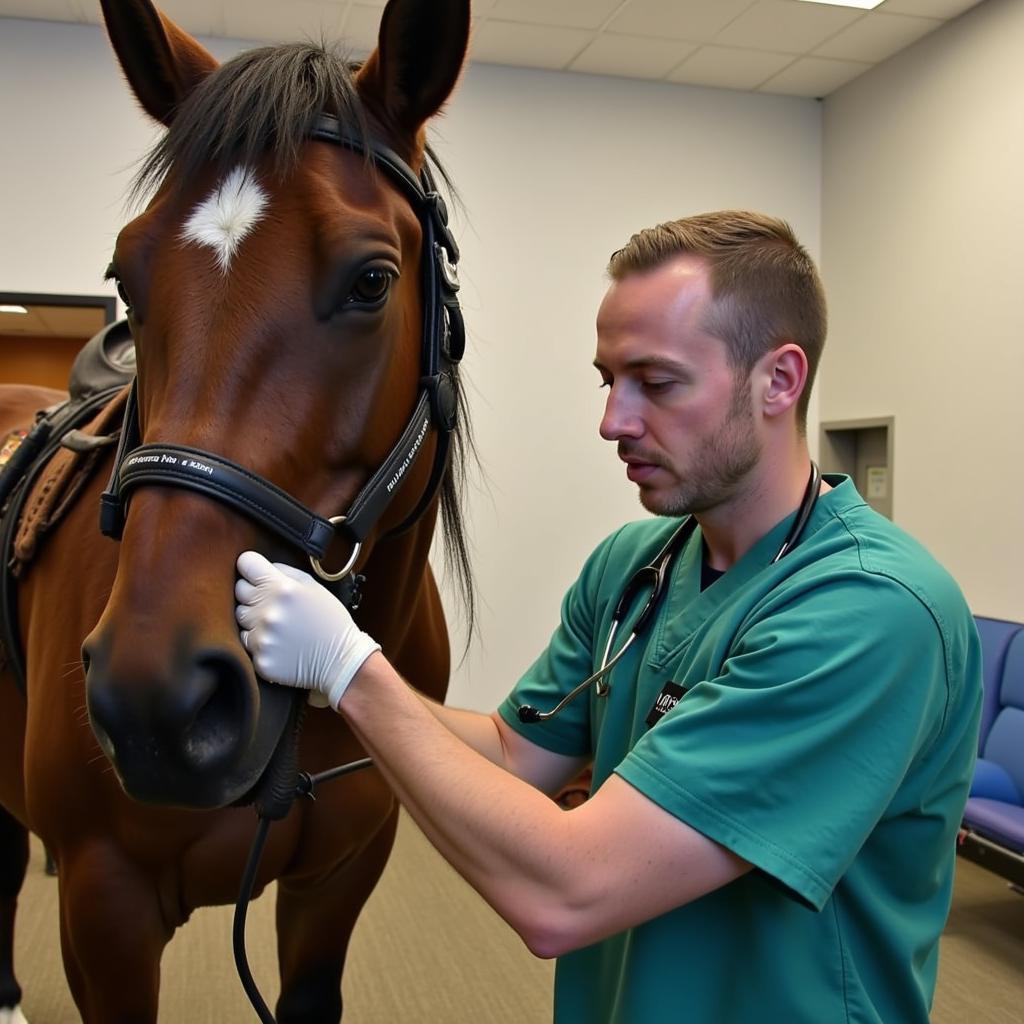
column 864, row 5
column 14, row 309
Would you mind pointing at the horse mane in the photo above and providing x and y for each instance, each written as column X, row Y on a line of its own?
column 265, row 102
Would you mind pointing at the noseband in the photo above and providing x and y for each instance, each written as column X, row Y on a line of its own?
column 444, row 341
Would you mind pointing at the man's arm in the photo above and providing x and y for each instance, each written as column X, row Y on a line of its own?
column 561, row 879
column 489, row 736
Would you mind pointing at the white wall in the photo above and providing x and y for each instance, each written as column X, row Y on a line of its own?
column 923, row 222
column 555, row 171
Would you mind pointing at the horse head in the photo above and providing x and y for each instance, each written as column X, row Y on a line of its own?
column 275, row 286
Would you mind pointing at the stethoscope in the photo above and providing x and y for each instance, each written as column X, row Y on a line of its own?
column 654, row 576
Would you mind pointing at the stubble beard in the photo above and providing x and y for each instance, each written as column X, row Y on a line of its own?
column 718, row 466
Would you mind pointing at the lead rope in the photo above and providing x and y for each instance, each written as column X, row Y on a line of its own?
column 306, row 785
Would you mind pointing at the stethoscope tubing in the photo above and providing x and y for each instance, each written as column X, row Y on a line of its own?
column 658, row 570
column 529, row 714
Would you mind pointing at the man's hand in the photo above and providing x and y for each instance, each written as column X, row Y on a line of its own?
column 295, row 631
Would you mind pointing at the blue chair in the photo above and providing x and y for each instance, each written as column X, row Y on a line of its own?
column 993, row 825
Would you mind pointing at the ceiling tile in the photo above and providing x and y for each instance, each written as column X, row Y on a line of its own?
column 930, row 8
column 71, row 321
column 44, row 10
column 282, row 23
column 200, row 17
column 730, row 68
column 62, row 321
column 632, row 56
column 532, row 46
column 696, row 20
column 876, row 37
column 571, row 13
column 786, row 27
column 480, row 7
column 89, row 11
column 360, row 28
column 813, row 76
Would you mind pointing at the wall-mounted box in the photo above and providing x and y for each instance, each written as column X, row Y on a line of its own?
column 863, row 449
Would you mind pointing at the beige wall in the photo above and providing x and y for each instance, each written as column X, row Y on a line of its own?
column 555, row 172
column 922, row 228
column 916, row 184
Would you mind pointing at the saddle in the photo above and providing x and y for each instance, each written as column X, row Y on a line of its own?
column 49, row 465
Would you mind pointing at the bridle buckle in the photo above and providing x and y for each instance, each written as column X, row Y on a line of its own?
column 333, row 577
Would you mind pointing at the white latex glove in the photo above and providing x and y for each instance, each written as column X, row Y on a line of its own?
column 295, row 631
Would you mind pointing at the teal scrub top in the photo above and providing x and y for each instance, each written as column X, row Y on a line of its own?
column 827, row 734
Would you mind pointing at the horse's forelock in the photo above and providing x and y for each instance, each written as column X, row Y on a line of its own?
column 261, row 103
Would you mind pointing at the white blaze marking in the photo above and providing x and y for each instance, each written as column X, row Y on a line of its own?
column 228, row 215
column 14, row 1016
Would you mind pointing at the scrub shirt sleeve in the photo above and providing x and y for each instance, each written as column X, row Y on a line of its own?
column 568, row 659
column 795, row 751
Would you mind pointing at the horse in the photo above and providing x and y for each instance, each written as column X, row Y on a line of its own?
column 280, row 285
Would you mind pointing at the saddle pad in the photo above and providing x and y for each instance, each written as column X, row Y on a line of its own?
column 60, row 483
column 10, row 445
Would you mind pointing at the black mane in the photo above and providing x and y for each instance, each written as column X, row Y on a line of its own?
column 265, row 102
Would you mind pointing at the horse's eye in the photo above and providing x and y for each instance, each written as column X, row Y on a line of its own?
column 372, row 286
column 123, row 293
column 112, row 275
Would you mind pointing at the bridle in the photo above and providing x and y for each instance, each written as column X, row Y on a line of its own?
column 218, row 477
column 224, row 480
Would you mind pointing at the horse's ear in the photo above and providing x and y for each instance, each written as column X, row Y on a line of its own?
column 420, row 51
column 162, row 63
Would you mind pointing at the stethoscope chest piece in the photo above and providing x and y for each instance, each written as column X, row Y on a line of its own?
column 652, row 577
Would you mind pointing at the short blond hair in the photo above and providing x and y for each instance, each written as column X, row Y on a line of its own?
column 765, row 288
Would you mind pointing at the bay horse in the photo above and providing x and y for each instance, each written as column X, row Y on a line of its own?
column 290, row 292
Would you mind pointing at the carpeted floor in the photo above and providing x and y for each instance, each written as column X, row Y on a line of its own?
column 428, row 951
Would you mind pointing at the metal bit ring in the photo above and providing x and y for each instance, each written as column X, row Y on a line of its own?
column 333, row 577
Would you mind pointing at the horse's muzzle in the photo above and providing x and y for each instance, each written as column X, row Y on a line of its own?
column 197, row 734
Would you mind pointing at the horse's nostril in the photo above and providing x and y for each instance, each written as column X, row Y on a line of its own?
column 220, row 713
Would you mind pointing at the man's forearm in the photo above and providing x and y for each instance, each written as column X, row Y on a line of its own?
column 489, row 736
column 475, row 729
column 473, row 811
column 562, row 879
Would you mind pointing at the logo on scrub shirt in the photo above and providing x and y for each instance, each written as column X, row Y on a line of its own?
column 671, row 694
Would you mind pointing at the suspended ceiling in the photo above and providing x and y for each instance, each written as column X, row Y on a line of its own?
column 789, row 47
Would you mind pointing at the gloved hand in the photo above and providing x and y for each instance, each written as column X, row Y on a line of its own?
column 295, row 631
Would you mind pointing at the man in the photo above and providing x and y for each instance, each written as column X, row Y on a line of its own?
column 781, row 758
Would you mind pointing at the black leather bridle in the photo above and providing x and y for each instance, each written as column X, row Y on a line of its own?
column 215, row 476
column 443, row 344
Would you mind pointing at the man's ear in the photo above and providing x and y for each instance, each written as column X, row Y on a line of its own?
column 783, row 376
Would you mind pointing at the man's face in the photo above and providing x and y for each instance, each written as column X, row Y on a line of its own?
column 683, row 422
